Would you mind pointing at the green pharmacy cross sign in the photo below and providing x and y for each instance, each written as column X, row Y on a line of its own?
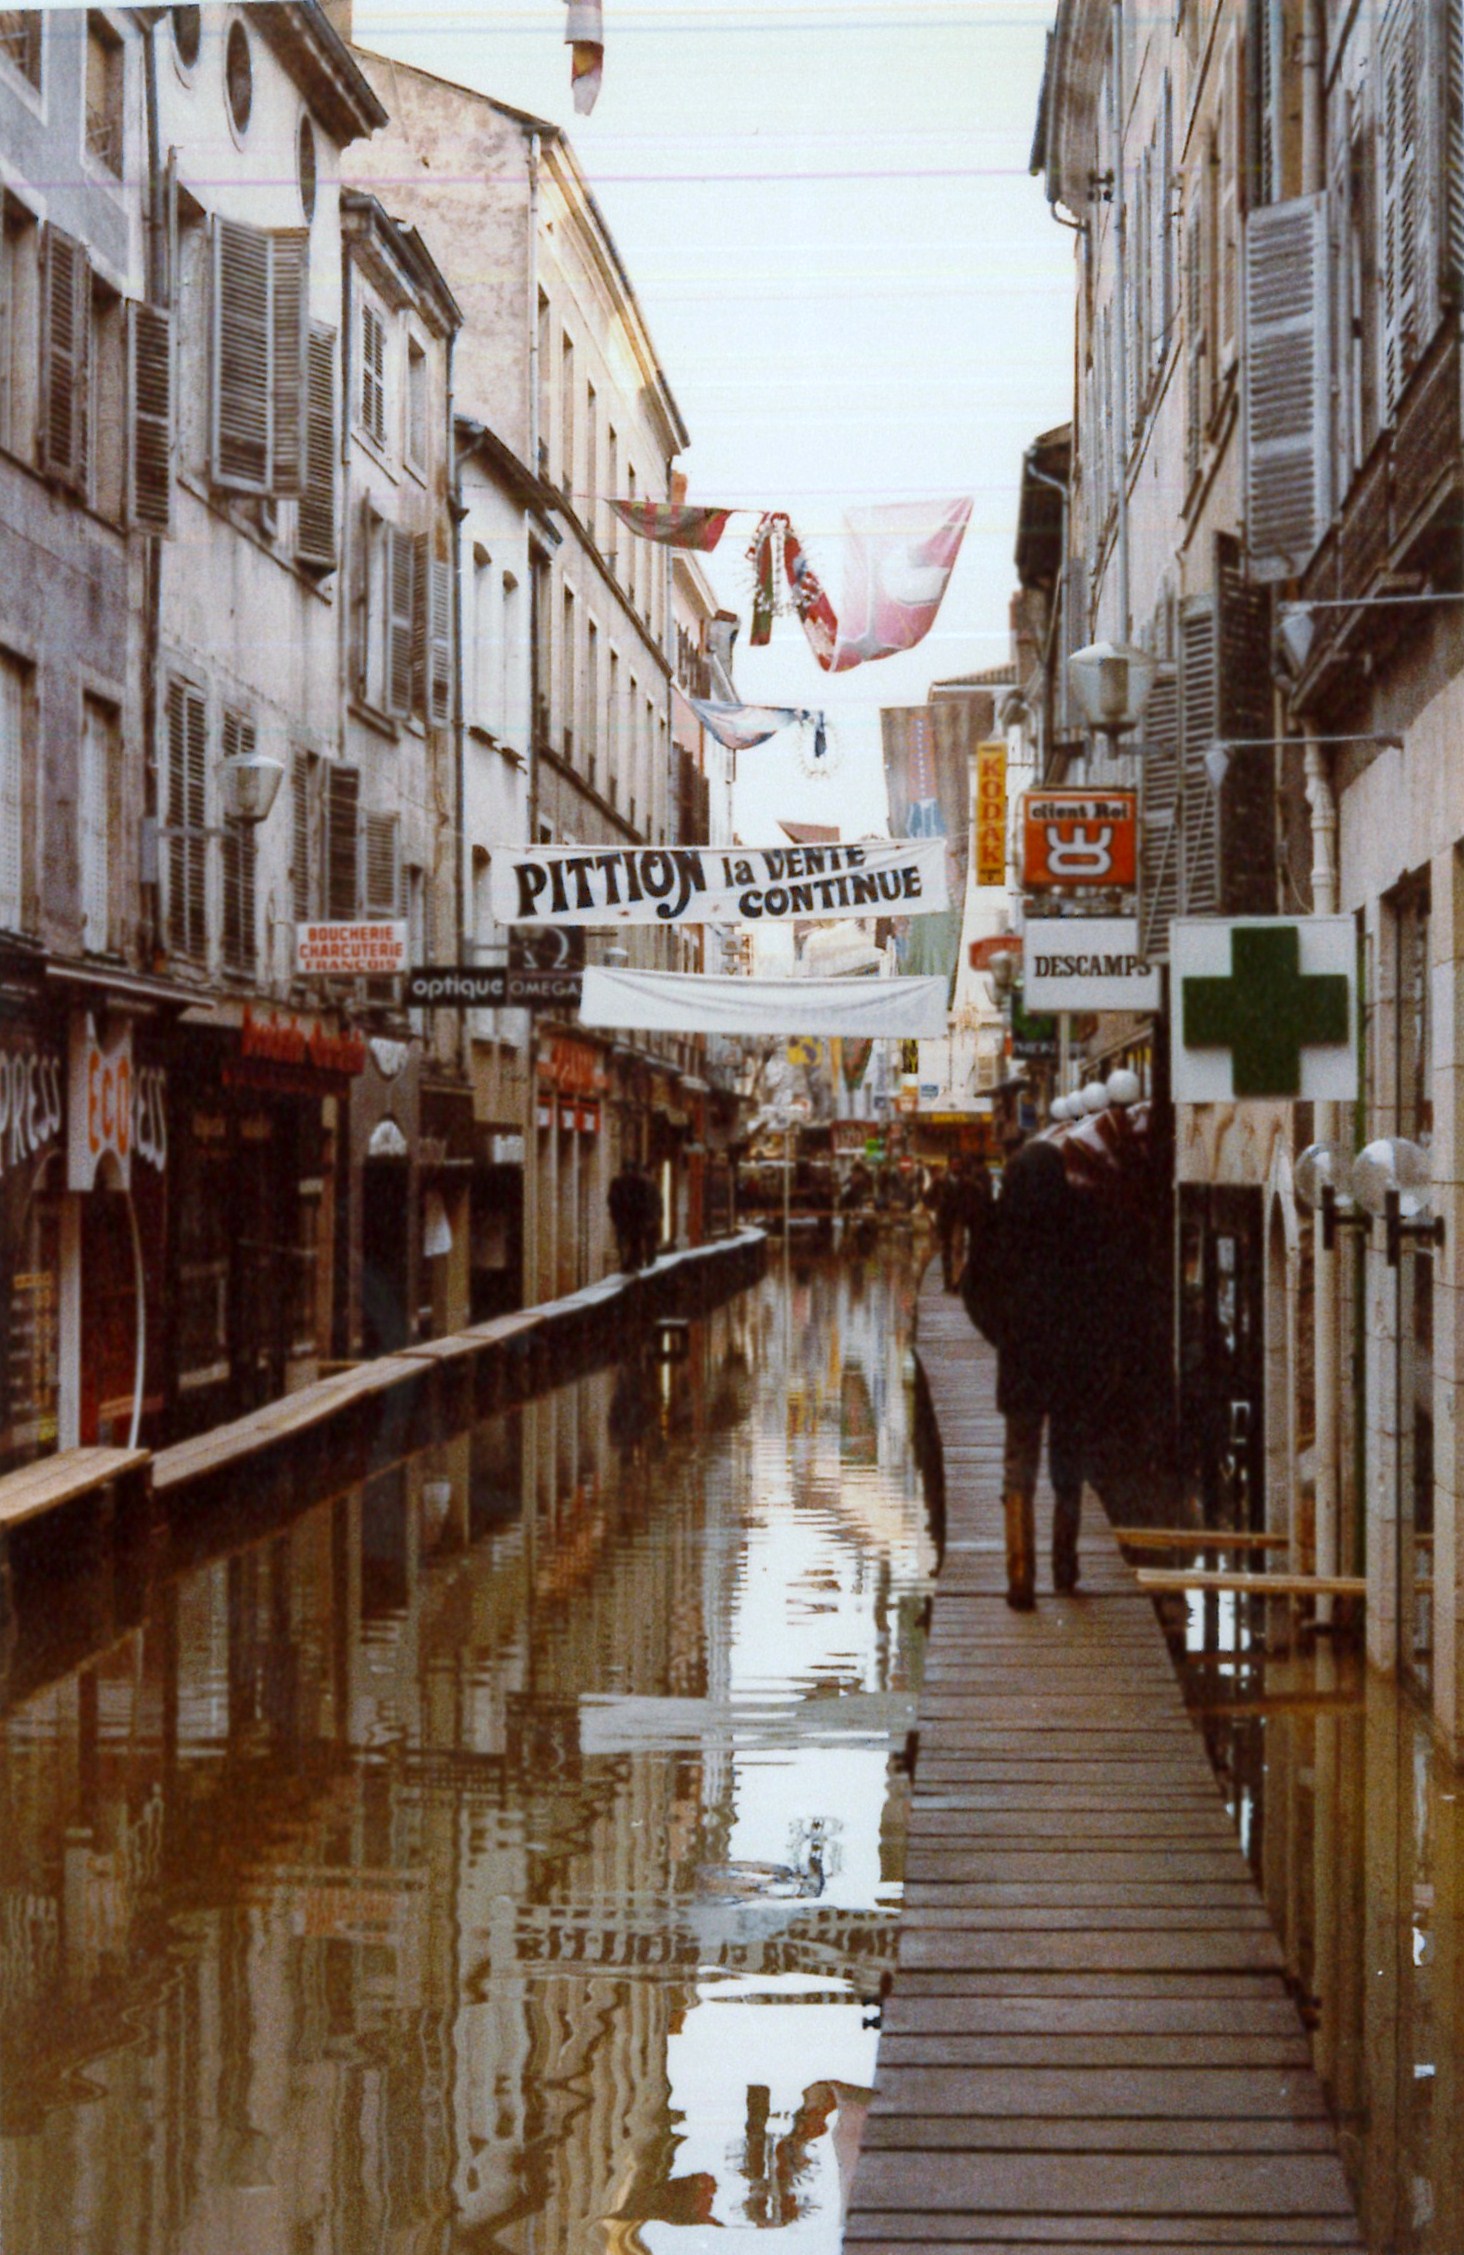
column 1283, row 1025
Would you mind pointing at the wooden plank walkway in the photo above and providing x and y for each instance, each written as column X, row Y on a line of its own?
column 1089, row 2045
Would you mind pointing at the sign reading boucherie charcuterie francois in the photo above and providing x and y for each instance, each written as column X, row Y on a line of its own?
column 360, row 951
column 567, row 885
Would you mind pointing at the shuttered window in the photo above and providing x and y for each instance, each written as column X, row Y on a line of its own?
column 1400, row 206
column 65, row 360
column 258, row 310
column 1160, row 828
column 1195, row 343
column 94, row 821
column 1288, row 385
column 304, row 834
column 382, row 865
column 342, row 844
column 1227, row 216
column 12, row 791
column 1200, row 867
column 149, row 418
column 402, row 627
column 432, row 655
column 240, row 942
column 315, row 542
column 373, row 372
column 187, row 818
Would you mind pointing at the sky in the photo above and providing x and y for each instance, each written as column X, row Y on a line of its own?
column 856, row 291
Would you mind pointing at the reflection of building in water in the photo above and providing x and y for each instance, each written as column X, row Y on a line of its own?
column 366, row 1893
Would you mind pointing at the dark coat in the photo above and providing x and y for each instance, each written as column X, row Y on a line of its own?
column 1031, row 1287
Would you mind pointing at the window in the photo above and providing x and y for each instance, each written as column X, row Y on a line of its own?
column 65, row 361
column 259, row 313
column 483, row 711
column 566, row 417
column 149, row 345
column 186, row 762
column 305, row 167
column 187, row 25
column 239, row 76
column 545, row 380
column 97, row 784
column 568, row 683
column 240, row 855
column 373, row 372
column 109, row 470
column 612, row 731
column 387, row 647
column 416, row 434
column 13, row 687
column 591, row 510
column 104, row 105
column 592, row 704
column 612, row 484
column 19, row 317
column 20, row 41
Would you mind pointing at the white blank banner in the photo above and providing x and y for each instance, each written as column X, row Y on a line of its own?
column 678, row 1002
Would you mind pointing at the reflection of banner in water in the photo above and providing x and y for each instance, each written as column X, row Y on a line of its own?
column 927, row 756
column 858, row 1430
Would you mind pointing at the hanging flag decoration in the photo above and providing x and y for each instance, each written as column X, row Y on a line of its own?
column 563, row 886
column 674, row 524
column 814, row 611
column 897, row 563
column 711, row 1003
column 927, row 758
column 738, row 727
column 584, row 34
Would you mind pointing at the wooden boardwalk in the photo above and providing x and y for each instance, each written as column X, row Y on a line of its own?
column 1089, row 2048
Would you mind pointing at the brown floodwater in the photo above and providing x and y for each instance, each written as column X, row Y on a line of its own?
column 1353, row 1823
column 502, row 1854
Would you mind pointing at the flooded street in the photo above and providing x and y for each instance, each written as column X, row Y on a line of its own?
column 503, row 1854
column 1354, row 1827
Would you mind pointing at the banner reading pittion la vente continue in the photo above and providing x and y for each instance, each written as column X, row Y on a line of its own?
column 704, row 885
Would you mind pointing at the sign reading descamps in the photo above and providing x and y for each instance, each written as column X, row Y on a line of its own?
column 1087, row 963
column 690, row 884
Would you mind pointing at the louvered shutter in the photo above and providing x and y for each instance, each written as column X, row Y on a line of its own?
column 1200, row 864
column 316, row 530
column 373, row 373
column 1288, row 385
column 304, row 862
column 439, row 642
column 12, row 792
column 1194, row 338
column 149, row 418
column 1400, row 214
column 65, row 359
column 342, row 845
column 242, row 352
column 1343, row 345
column 239, row 938
column 187, row 864
column 1448, row 171
column 1159, row 830
column 403, row 633
column 368, row 610
column 1244, row 715
column 382, row 865
column 1227, row 215
column 290, row 339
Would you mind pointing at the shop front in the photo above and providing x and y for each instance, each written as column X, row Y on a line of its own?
column 254, row 1135
column 379, row 1249
column 445, row 1175
column 572, row 1177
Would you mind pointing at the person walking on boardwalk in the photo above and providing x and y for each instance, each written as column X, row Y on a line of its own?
column 1026, row 1288
column 625, row 1200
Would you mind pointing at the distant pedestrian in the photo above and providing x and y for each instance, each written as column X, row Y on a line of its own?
column 950, row 1222
column 626, row 1214
column 648, row 1218
column 1027, row 1288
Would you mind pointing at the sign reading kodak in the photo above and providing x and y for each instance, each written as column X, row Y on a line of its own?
column 991, row 812
column 1079, row 838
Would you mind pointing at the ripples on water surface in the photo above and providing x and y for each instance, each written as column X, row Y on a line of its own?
column 503, row 1855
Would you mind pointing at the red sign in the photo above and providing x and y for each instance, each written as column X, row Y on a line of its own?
column 984, row 953
column 1079, row 838
column 283, row 1040
column 101, row 1105
column 573, row 1066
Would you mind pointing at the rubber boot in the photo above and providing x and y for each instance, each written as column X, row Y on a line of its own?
column 1066, row 1511
column 1021, row 1546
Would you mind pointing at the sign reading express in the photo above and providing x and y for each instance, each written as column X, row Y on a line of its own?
column 363, row 951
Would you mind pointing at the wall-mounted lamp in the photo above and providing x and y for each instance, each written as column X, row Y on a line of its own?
column 1391, row 1182
column 1112, row 681
column 1323, row 1181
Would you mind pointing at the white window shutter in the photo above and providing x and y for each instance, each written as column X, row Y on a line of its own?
column 1227, row 217
column 239, row 740
column 12, row 801
column 1287, row 385
column 373, row 373
column 316, row 533
column 401, row 621
column 65, row 359
column 1159, row 828
column 302, row 835
column 439, row 642
column 186, row 722
column 382, row 865
column 241, row 406
column 290, row 335
column 1198, row 710
column 1194, row 337
column 149, row 418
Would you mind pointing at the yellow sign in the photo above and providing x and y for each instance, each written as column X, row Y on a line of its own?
column 805, row 1049
column 991, row 813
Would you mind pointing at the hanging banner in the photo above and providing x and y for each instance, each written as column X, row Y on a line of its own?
column 927, row 761
column 739, row 727
column 565, row 885
column 681, row 1002
column 1079, row 838
column 674, row 524
column 897, row 562
column 991, row 813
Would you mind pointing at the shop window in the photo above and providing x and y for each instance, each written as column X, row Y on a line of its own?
column 14, row 699
column 187, row 817
column 20, row 42
column 240, row 940
column 105, row 65
column 95, row 804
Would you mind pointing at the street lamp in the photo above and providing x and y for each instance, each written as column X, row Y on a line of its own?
column 251, row 782
column 1111, row 681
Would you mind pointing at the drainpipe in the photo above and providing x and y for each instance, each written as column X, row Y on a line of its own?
column 1120, row 305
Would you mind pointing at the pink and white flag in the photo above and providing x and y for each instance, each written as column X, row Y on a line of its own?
column 897, row 562
column 584, row 33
